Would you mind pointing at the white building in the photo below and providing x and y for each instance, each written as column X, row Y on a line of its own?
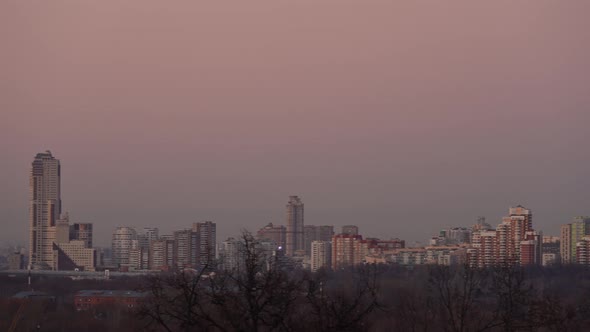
column 321, row 255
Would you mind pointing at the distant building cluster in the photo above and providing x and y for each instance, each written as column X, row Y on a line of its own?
column 56, row 243
column 514, row 242
column 315, row 247
column 192, row 248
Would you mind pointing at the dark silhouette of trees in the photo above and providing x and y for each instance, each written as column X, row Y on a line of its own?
column 257, row 296
column 262, row 295
column 460, row 294
column 344, row 302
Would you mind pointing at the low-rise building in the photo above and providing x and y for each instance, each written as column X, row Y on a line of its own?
column 88, row 299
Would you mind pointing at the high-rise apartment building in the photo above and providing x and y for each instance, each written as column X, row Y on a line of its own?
column 207, row 232
column 150, row 234
column 565, row 244
column 511, row 232
column 531, row 249
column 514, row 242
column 295, row 240
column 524, row 214
column 348, row 250
column 161, row 254
column 583, row 251
column 186, row 249
column 321, row 255
column 231, row 254
column 571, row 234
column 44, row 209
column 62, row 229
column 487, row 252
column 123, row 238
column 316, row 233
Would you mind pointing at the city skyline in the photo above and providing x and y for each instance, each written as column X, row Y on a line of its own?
column 292, row 206
column 376, row 113
column 55, row 244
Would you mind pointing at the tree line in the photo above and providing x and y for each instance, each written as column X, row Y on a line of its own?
column 258, row 296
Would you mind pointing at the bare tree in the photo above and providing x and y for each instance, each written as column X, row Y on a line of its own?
column 257, row 296
column 175, row 301
column 461, row 293
column 344, row 303
column 514, row 296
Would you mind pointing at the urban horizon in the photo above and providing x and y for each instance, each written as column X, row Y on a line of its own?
column 105, row 241
column 58, row 242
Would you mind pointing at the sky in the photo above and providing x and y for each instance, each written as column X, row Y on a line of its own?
column 402, row 117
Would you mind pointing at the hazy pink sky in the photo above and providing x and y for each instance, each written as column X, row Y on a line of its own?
column 399, row 116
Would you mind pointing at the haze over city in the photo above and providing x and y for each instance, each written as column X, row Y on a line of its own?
column 401, row 118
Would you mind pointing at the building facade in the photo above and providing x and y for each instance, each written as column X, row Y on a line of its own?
column 186, row 249
column 571, row 234
column 75, row 255
column 82, row 232
column 313, row 233
column 231, row 253
column 321, row 255
column 123, row 238
column 161, row 254
column 348, row 250
column 207, row 232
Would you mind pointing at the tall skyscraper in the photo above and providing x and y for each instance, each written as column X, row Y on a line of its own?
column 295, row 239
column 44, row 209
